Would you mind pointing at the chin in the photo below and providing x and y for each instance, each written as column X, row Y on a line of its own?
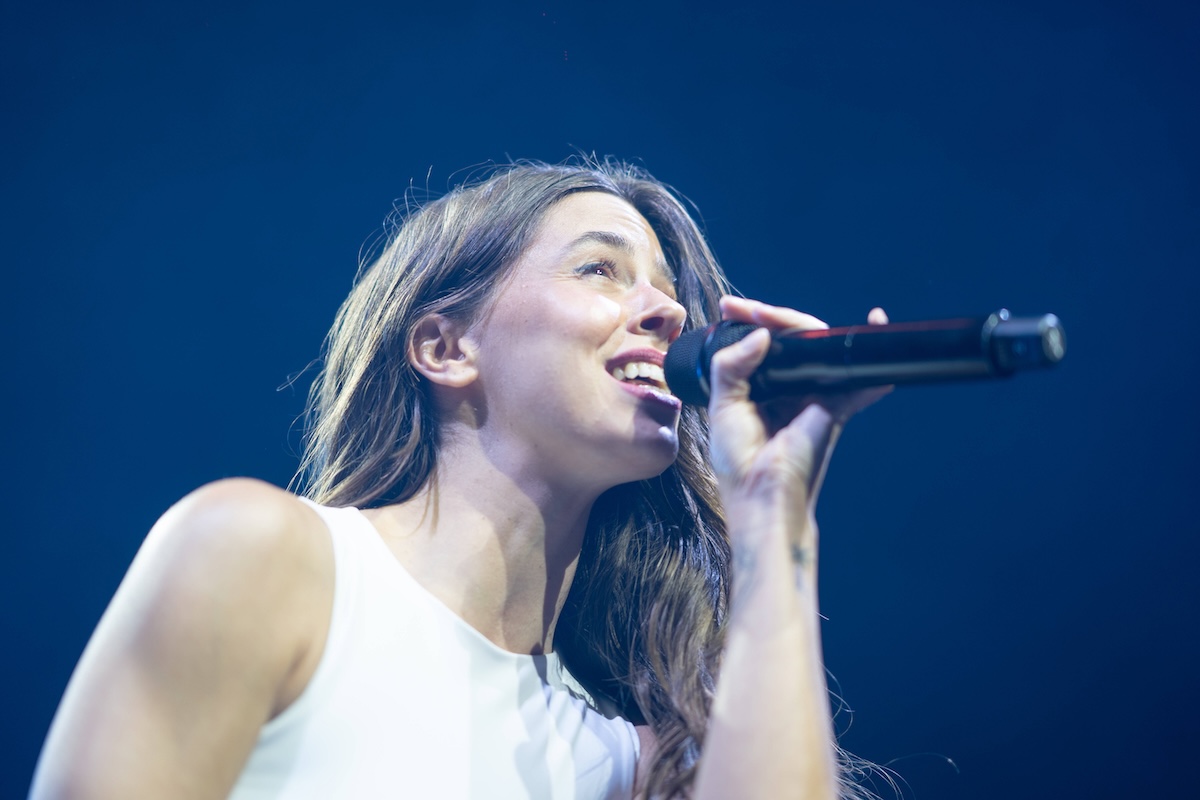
column 658, row 454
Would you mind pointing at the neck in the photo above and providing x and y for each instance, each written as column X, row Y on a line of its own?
column 496, row 541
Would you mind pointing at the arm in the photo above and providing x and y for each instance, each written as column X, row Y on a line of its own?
column 210, row 634
column 770, row 734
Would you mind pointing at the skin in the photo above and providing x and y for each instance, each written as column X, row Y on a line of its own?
column 222, row 618
column 770, row 734
column 510, row 483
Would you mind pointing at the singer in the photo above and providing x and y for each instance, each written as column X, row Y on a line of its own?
column 517, row 566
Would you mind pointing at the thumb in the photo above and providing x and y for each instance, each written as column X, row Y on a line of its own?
column 731, row 367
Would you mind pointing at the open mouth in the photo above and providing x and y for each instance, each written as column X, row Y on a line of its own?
column 642, row 372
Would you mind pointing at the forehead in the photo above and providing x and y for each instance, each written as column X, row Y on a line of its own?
column 584, row 209
column 596, row 219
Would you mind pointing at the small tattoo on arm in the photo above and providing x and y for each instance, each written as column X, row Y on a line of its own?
column 802, row 562
column 745, row 565
column 744, row 559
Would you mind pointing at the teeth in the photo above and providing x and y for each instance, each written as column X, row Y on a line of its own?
column 641, row 369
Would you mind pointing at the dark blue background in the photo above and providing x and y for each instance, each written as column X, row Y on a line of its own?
column 1008, row 569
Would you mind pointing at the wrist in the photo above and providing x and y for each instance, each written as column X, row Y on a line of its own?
column 765, row 508
column 777, row 529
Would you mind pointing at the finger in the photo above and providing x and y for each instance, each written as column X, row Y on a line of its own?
column 877, row 316
column 776, row 318
column 732, row 365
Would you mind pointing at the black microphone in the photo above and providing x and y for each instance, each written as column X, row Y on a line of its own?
column 839, row 359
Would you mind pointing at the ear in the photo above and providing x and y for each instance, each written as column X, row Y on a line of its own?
column 440, row 350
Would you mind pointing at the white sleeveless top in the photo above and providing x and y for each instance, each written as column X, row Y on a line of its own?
column 408, row 701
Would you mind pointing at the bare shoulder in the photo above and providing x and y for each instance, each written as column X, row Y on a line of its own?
column 244, row 513
column 257, row 556
column 216, row 627
column 255, row 544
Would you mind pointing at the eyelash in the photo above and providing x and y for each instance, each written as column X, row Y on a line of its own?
column 595, row 267
column 609, row 270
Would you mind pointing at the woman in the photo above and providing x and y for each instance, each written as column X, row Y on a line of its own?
column 552, row 564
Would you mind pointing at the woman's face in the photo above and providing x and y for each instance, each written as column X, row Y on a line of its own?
column 570, row 352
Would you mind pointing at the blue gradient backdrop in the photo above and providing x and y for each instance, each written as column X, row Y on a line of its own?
column 1008, row 569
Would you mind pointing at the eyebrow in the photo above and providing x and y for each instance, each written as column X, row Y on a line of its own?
column 619, row 242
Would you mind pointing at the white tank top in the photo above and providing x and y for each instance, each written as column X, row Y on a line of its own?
column 408, row 701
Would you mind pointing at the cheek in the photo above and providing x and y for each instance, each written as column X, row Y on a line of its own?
column 566, row 323
column 604, row 314
column 559, row 332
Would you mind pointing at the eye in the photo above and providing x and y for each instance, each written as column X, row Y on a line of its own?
column 603, row 269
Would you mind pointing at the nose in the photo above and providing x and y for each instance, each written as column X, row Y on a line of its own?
column 660, row 315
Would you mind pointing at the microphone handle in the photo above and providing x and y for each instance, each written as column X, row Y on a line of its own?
column 841, row 359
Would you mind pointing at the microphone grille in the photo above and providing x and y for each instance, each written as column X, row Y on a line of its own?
column 685, row 371
column 686, row 366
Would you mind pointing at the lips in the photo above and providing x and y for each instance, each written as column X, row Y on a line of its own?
column 640, row 373
column 640, row 365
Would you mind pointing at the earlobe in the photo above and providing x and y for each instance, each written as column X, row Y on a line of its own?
column 440, row 350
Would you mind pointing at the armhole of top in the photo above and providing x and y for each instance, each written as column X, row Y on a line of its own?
column 342, row 608
column 603, row 706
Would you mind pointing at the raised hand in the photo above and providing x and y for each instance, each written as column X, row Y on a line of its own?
column 783, row 445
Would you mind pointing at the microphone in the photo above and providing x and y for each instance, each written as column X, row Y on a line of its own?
column 840, row 359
